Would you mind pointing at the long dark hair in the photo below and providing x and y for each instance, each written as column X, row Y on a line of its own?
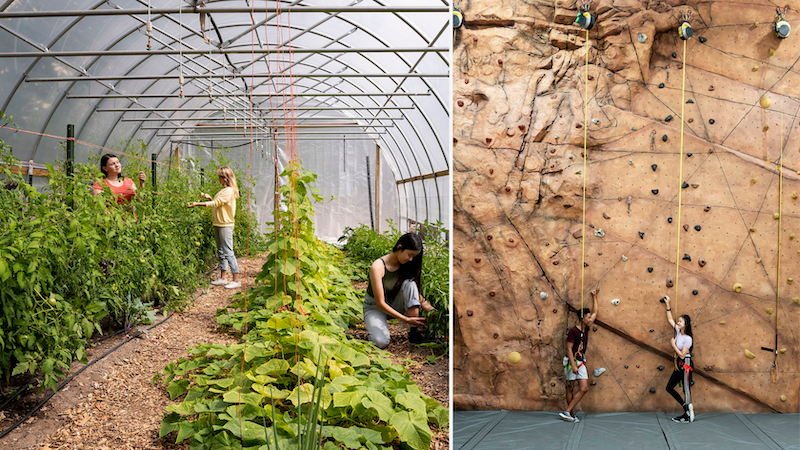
column 104, row 161
column 411, row 270
column 687, row 330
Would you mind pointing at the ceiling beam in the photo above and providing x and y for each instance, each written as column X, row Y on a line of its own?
column 235, row 51
column 225, row 10
column 258, row 75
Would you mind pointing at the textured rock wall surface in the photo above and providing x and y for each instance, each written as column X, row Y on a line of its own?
column 519, row 86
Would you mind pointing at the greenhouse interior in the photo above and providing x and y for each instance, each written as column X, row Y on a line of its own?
column 334, row 117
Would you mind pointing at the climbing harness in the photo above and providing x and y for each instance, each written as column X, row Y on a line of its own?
column 585, row 19
column 782, row 27
column 458, row 18
column 685, row 31
column 580, row 359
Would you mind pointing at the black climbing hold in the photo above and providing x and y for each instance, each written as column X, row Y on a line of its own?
column 711, row 121
column 690, row 101
column 674, row 54
column 652, row 390
column 661, row 85
column 694, row 292
column 626, row 366
column 652, row 330
column 686, row 257
column 654, row 191
column 668, row 118
column 669, row 219
column 664, row 138
column 697, row 227
column 702, row 40
column 641, row 235
column 650, row 269
column 660, row 367
column 685, row 185
column 689, row 155
column 654, row 167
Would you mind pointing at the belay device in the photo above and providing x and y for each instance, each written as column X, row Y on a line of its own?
column 782, row 27
column 685, row 30
column 585, row 19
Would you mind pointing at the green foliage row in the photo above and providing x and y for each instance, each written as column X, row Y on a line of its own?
column 257, row 394
column 364, row 245
column 71, row 262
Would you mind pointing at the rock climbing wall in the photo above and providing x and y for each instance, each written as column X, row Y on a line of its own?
column 519, row 127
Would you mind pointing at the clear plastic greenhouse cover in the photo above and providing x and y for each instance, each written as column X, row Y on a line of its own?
column 361, row 86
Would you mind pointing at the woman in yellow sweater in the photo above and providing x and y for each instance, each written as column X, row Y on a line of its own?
column 223, row 210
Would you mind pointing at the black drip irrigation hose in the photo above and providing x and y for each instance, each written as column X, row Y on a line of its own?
column 65, row 382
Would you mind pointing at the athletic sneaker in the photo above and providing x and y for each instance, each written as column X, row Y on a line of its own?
column 575, row 418
column 567, row 416
column 233, row 285
column 219, row 282
column 691, row 413
column 683, row 418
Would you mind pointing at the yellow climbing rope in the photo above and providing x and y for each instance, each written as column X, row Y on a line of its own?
column 680, row 182
column 585, row 131
column 773, row 371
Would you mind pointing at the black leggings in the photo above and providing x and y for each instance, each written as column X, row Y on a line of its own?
column 677, row 377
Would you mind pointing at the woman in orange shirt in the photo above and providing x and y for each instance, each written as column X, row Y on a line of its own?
column 122, row 187
column 223, row 211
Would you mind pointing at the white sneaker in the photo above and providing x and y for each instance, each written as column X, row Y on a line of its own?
column 566, row 416
column 219, row 282
column 233, row 285
column 691, row 413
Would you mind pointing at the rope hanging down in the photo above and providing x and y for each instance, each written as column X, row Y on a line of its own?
column 773, row 371
column 685, row 33
column 586, row 21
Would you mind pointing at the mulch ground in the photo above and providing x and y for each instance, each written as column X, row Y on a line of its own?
column 115, row 404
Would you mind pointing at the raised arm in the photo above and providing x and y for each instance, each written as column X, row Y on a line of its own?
column 669, row 312
column 595, row 309
column 376, row 273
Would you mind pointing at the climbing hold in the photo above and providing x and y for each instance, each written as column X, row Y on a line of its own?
column 702, row 262
column 684, row 185
column 737, row 287
column 630, row 161
column 489, row 237
column 652, row 330
column 768, row 310
column 596, row 121
column 749, row 354
column 707, row 208
column 496, row 335
column 756, row 24
column 795, row 300
column 652, row 390
column 466, row 80
column 654, row 167
column 599, row 371
column 690, row 120
column 521, row 127
column 690, row 101
column 772, row 52
column 555, row 263
column 469, row 312
column 697, row 227
column 624, row 258
column 626, row 366
column 543, row 295
column 461, row 103
column 752, row 229
column 686, row 257
column 711, row 88
column 633, row 128
column 599, row 232
column 641, row 235
column 545, row 181
column 492, row 294
column 688, row 155
column 685, row 227
column 765, row 102
column 783, row 398
column 668, row 118
column 722, row 322
column 661, row 85
column 660, row 367
column 753, row 180
column 488, row 140
column 789, row 280
column 654, row 191
column 514, row 357
column 776, row 216
column 694, row 292
column 642, row 38
column 664, row 138
column 674, row 54
column 508, row 189
column 766, row 127
column 702, row 40
column 711, row 121
column 605, row 216
column 477, row 260
column 500, row 61
column 650, row 269
column 555, row 136
column 758, row 260
column 755, row 68
column 791, row 236
column 670, row 283
column 669, row 219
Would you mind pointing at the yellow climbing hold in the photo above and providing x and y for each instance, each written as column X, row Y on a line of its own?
column 758, row 260
column 794, row 195
column 789, row 280
column 752, row 229
column 722, row 322
column 791, row 236
column 795, row 300
column 753, row 180
column 768, row 310
column 756, row 24
column 755, row 68
column 514, row 357
column 772, row 52
column 776, row 216
column 765, row 129
column 737, row 287
column 765, row 102
column 749, row 354
column 782, row 351
column 783, row 398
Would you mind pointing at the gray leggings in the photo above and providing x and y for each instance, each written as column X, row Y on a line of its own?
column 376, row 320
column 224, row 238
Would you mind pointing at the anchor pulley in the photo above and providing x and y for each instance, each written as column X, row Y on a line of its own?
column 782, row 27
column 685, row 31
column 585, row 19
